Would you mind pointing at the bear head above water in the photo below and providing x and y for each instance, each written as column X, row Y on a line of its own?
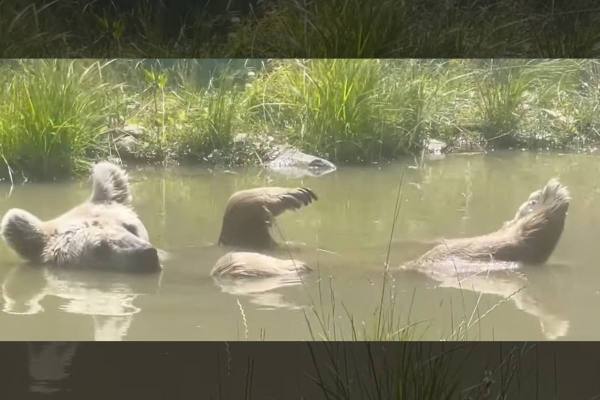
column 104, row 232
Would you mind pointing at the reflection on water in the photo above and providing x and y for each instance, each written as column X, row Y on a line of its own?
column 261, row 291
column 107, row 297
column 352, row 220
column 507, row 280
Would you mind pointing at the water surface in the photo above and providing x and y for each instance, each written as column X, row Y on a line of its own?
column 345, row 236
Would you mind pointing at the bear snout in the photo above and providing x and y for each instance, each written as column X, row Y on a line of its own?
column 146, row 259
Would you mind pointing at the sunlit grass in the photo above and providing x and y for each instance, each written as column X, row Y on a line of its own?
column 346, row 110
column 53, row 115
column 507, row 90
column 351, row 110
column 193, row 121
column 213, row 113
column 331, row 106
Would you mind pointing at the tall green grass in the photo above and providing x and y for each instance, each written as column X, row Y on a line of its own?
column 331, row 106
column 191, row 120
column 54, row 112
column 507, row 89
column 52, row 117
column 572, row 117
column 214, row 111
column 350, row 110
column 425, row 370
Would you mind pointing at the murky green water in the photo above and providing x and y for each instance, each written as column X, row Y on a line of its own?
column 346, row 234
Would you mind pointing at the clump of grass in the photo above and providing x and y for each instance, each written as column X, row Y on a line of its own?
column 386, row 323
column 314, row 29
column 98, row 29
column 202, row 120
column 192, row 113
column 148, row 27
column 356, row 111
column 213, row 112
column 53, row 117
column 507, row 89
column 335, row 108
column 572, row 118
column 564, row 29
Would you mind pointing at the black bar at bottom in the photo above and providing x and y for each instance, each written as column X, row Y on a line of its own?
column 300, row 370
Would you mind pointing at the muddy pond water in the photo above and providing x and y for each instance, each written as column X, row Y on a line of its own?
column 345, row 236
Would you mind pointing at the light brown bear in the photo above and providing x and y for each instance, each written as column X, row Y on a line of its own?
column 250, row 213
column 529, row 238
column 103, row 232
column 248, row 217
column 244, row 264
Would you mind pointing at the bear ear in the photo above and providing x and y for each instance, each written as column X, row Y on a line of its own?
column 110, row 184
column 23, row 232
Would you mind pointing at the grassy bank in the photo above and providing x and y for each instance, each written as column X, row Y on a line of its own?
column 58, row 115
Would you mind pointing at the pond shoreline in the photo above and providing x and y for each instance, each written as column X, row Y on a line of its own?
column 414, row 161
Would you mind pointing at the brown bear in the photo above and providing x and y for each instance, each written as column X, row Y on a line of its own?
column 250, row 213
column 248, row 217
column 103, row 232
column 257, row 277
column 243, row 264
column 529, row 238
